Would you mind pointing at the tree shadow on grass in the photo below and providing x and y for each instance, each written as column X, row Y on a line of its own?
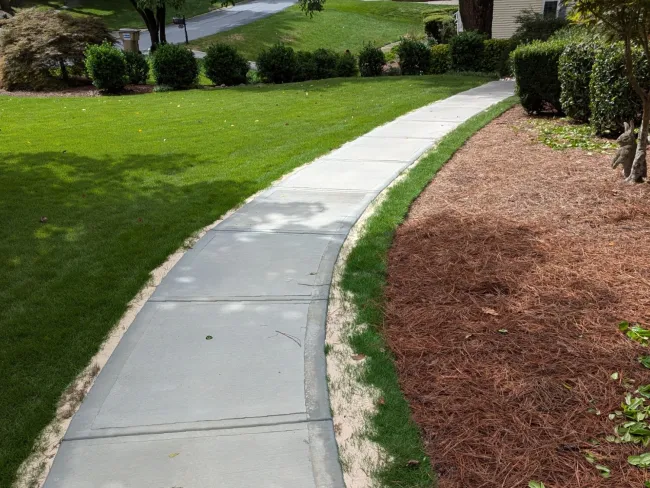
column 66, row 282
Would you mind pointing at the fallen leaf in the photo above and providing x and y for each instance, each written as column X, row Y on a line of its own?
column 381, row 401
column 413, row 462
column 503, row 331
column 359, row 357
column 173, row 455
column 489, row 311
column 43, row 220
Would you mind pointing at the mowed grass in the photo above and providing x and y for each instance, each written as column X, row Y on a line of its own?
column 344, row 24
column 364, row 277
column 118, row 13
column 123, row 181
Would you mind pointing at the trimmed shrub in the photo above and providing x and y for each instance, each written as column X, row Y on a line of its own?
column 347, row 65
column 223, row 65
column 533, row 26
column 137, row 68
column 305, row 66
column 414, row 57
column 613, row 101
column 496, row 55
column 106, row 67
column 371, row 61
column 467, row 51
column 440, row 26
column 440, row 59
column 326, row 62
column 175, row 65
column 277, row 64
column 536, row 70
column 576, row 63
column 41, row 49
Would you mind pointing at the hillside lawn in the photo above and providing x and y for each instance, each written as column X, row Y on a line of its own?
column 123, row 181
column 344, row 24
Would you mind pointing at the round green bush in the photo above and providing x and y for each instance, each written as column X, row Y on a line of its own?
column 277, row 64
column 536, row 71
column 137, row 68
column 326, row 62
column 440, row 26
column 467, row 51
column 106, row 67
column 440, row 59
column 414, row 57
column 612, row 99
column 347, row 67
column 224, row 65
column 305, row 66
column 576, row 63
column 174, row 65
column 496, row 54
column 371, row 61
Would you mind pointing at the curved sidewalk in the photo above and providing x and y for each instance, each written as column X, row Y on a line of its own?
column 220, row 382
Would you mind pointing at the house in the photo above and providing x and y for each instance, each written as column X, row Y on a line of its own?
column 504, row 23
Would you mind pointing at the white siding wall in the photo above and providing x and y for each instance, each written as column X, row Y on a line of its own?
column 505, row 12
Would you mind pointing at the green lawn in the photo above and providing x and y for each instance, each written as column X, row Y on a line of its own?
column 123, row 181
column 344, row 24
column 117, row 13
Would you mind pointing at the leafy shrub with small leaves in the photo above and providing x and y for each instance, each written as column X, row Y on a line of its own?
column 137, row 68
column 175, row 65
column 326, row 62
column 41, row 49
column 533, row 26
column 346, row 66
column 612, row 99
column 467, row 51
column 576, row 63
column 371, row 61
column 106, row 67
column 536, row 71
column 441, row 27
column 440, row 59
column 224, row 65
column 305, row 66
column 496, row 55
column 414, row 57
column 277, row 64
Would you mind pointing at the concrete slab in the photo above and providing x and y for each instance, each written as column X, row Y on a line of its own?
column 389, row 149
column 268, row 457
column 325, row 173
column 253, row 265
column 297, row 210
column 180, row 363
column 444, row 113
column 432, row 131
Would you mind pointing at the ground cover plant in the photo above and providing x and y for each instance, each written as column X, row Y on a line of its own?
column 364, row 277
column 503, row 308
column 343, row 24
column 95, row 192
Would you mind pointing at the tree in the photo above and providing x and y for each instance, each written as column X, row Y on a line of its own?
column 629, row 21
column 154, row 13
column 477, row 15
column 6, row 6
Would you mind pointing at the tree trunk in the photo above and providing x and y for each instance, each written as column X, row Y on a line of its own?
column 6, row 6
column 151, row 22
column 161, row 14
column 639, row 167
column 64, row 70
column 477, row 15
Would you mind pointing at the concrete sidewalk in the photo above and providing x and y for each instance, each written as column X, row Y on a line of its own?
column 220, row 382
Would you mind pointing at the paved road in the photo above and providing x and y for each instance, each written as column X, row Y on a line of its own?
column 221, row 20
column 220, row 382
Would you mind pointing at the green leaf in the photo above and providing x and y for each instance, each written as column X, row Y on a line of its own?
column 644, row 391
column 642, row 460
column 635, row 332
column 605, row 472
column 614, row 376
column 536, row 484
column 645, row 361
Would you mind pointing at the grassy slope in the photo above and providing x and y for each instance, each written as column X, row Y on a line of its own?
column 365, row 277
column 344, row 24
column 118, row 13
column 123, row 181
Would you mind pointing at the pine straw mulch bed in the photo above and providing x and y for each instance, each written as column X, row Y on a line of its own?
column 553, row 248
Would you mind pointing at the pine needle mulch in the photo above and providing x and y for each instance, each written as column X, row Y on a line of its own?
column 506, row 285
